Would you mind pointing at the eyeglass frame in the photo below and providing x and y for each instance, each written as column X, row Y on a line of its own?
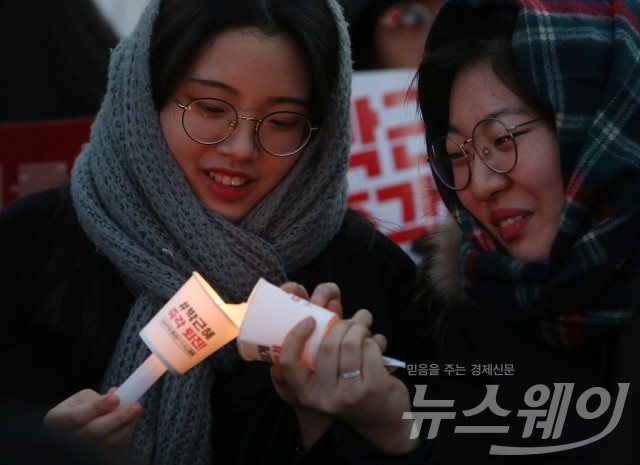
column 234, row 124
column 469, row 155
column 405, row 6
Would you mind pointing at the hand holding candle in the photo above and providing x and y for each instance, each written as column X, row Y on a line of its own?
column 196, row 322
column 271, row 313
column 192, row 325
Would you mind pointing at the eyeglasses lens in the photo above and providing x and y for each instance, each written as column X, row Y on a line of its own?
column 209, row 121
column 449, row 162
column 495, row 145
column 406, row 15
column 491, row 141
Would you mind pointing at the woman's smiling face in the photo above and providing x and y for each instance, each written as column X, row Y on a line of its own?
column 522, row 208
column 258, row 74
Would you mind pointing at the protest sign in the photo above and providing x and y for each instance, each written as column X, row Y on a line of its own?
column 389, row 179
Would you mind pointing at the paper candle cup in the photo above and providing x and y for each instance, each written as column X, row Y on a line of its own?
column 271, row 314
column 190, row 327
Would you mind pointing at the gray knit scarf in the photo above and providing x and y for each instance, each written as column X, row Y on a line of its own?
column 134, row 203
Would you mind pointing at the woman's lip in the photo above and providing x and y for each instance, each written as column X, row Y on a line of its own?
column 229, row 172
column 510, row 224
column 230, row 185
column 234, row 181
column 498, row 216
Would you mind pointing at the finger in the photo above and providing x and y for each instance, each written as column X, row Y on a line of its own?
column 82, row 397
column 362, row 317
column 121, row 436
column 325, row 293
column 328, row 358
column 381, row 341
column 351, row 350
column 335, row 307
column 372, row 361
column 277, row 376
column 292, row 368
column 80, row 409
column 295, row 289
column 113, row 425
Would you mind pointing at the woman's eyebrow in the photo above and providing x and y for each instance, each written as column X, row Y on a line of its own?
column 497, row 113
column 507, row 111
column 214, row 84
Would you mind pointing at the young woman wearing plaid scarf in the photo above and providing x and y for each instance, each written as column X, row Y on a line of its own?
column 532, row 119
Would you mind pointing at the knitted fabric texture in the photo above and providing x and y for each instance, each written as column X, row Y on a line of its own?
column 136, row 206
column 581, row 57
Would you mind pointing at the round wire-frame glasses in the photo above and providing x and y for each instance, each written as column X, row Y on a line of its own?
column 493, row 141
column 405, row 15
column 209, row 121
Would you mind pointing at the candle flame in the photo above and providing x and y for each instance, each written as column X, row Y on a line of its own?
column 235, row 312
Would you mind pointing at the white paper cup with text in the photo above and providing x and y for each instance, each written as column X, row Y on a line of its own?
column 190, row 327
column 271, row 314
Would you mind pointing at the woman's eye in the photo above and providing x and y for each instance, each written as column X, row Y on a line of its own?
column 210, row 111
column 283, row 123
column 457, row 159
column 503, row 142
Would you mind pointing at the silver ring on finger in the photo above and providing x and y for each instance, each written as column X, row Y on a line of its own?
column 350, row 374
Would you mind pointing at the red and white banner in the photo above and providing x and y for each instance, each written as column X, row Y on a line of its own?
column 389, row 179
column 39, row 155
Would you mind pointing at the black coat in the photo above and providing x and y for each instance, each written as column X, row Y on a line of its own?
column 64, row 305
column 470, row 348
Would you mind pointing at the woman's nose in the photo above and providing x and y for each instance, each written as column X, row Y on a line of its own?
column 242, row 143
column 486, row 183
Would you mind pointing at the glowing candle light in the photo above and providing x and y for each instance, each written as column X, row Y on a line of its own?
column 192, row 325
column 196, row 322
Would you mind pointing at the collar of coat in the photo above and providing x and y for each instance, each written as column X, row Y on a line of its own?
column 439, row 268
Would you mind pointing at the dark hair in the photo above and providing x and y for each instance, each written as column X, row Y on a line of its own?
column 60, row 52
column 183, row 27
column 467, row 35
column 362, row 26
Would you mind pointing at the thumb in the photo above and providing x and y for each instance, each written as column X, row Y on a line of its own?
column 292, row 368
column 295, row 340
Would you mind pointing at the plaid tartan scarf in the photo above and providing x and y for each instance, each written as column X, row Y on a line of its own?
column 583, row 57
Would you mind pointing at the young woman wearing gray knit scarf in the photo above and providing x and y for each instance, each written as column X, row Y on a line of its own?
column 221, row 146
